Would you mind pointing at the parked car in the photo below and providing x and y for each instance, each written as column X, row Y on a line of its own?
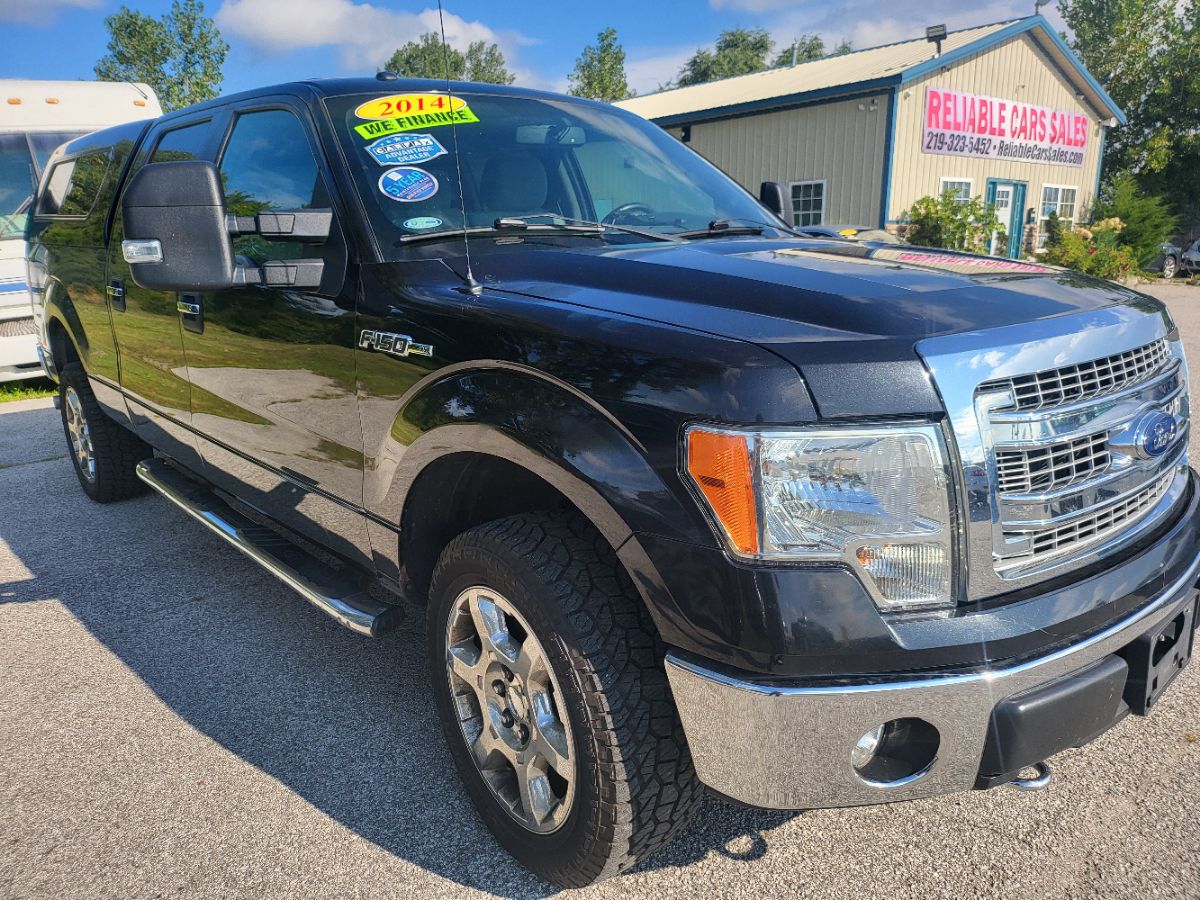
column 1174, row 260
column 687, row 499
column 36, row 117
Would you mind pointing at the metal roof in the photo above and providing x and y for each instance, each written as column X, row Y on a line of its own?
column 861, row 70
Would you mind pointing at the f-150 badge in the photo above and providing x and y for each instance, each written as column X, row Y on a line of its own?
column 395, row 344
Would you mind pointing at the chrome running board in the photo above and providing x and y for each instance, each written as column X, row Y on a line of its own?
column 334, row 593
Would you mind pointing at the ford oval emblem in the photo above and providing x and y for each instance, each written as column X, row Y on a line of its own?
column 1155, row 433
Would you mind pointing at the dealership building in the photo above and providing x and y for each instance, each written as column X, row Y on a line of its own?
column 1004, row 111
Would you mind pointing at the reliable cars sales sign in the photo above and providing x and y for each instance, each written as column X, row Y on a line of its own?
column 958, row 124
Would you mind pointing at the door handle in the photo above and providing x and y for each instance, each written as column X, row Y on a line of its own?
column 191, row 312
column 116, row 294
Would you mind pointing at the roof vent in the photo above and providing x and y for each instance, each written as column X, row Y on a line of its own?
column 386, row 76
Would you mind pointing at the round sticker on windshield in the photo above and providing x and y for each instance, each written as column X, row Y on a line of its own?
column 422, row 223
column 408, row 184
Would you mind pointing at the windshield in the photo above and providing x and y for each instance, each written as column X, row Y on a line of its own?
column 521, row 157
column 18, row 175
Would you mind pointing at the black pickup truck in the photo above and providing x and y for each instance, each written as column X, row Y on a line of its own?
column 689, row 499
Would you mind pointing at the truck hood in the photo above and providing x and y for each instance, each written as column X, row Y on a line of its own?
column 846, row 315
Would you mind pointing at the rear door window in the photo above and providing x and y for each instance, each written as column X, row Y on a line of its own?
column 74, row 185
column 180, row 144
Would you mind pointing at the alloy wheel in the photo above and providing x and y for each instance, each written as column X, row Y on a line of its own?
column 79, row 434
column 510, row 709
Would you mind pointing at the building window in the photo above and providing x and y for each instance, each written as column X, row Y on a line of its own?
column 962, row 189
column 808, row 202
column 1059, row 199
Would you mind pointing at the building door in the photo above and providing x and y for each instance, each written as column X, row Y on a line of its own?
column 1008, row 198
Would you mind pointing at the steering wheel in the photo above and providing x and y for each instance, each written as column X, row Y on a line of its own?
column 633, row 208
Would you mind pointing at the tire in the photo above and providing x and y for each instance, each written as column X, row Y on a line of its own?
column 1170, row 267
column 629, row 783
column 103, row 453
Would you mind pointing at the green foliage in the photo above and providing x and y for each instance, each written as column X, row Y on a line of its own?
column 1054, row 229
column 805, row 48
column 1093, row 252
column 179, row 55
column 30, row 389
column 1147, row 219
column 842, row 48
column 952, row 224
column 1147, row 54
column 427, row 57
column 739, row 51
column 600, row 70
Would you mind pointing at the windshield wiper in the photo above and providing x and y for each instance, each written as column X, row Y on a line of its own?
column 569, row 223
column 726, row 227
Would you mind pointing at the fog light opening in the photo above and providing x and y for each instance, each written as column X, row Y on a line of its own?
column 895, row 753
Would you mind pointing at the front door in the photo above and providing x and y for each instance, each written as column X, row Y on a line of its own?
column 272, row 369
column 1007, row 198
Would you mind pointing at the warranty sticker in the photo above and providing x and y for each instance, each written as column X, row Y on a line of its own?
column 408, row 184
column 405, row 149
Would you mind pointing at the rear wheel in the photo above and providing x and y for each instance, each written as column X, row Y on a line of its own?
column 104, row 454
column 1170, row 267
column 550, row 686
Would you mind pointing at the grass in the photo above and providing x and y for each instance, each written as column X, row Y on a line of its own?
column 29, row 389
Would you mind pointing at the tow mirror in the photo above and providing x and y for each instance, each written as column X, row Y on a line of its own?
column 772, row 195
column 179, row 237
column 175, row 234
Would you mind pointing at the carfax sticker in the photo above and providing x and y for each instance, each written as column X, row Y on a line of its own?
column 409, row 112
column 405, row 149
column 408, row 184
column 422, row 223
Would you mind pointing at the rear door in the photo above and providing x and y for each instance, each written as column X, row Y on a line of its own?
column 153, row 370
column 272, row 370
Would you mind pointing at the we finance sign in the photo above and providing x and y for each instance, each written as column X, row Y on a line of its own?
column 958, row 124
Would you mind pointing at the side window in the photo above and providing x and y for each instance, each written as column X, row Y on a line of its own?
column 268, row 164
column 73, row 185
column 183, row 143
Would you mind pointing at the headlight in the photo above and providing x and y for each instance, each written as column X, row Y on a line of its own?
column 876, row 498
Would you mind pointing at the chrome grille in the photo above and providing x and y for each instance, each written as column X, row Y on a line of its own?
column 1086, row 380
column 17, row 327
column 1048, row 419
column 1099, row 525
column 1052, row 467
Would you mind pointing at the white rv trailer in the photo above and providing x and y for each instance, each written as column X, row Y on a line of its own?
column 35, row 117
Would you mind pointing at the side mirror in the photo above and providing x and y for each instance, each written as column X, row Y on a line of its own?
column 773, row 196
column 176, row 238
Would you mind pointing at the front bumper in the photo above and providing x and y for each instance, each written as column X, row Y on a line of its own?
column 788, row 746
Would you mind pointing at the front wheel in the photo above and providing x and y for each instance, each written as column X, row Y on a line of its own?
column 549, row 681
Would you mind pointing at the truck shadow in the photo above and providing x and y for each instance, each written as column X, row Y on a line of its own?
column 345, row 722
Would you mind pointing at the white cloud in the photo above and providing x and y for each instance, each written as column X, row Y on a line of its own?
column 646, row 73
column 363, row 35
column 40, row 12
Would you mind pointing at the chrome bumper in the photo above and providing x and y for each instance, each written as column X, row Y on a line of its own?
column 788, row 747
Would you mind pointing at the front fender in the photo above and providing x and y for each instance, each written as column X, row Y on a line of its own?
column 543, row 425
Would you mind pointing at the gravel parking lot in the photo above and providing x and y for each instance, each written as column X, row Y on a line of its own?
column 173, row 721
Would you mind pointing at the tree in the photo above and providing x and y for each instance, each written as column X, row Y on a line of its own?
column 739, row 51
column 485, row 63
column 1145, row 219
column 843, row 47
column 952, row 223
column 805, row 48
column 1147, row 54
column 180, row 55
column 426, row 57
column 600, row 70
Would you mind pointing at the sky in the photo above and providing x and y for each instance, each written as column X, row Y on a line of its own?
column 273, row 41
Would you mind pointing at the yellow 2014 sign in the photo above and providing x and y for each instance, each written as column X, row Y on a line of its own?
column 405, row 112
